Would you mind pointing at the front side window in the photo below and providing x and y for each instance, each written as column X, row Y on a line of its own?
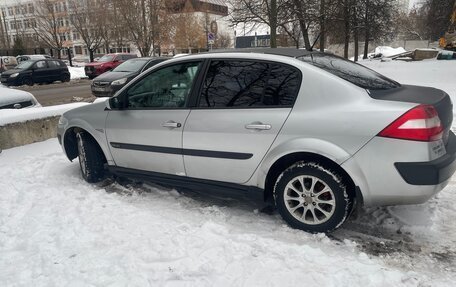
column 244, row 84
column 166, row 88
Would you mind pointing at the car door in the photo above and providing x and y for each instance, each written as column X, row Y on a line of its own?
column 40, row 71
column 241, row 109
column 147, row 133
column 53, row 70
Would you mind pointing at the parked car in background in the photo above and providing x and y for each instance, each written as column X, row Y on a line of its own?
column 36, row 71
column 80, row 60
column 22, row 58
column 7, row 63
column 16, row 99
column 107, row 84
column 106, row 63
column 311, row 132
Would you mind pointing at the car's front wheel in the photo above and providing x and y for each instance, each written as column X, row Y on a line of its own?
column 91, row 158
column 312, row 198
column 27, row 81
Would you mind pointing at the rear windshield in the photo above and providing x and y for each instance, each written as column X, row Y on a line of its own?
column 106, row 58
column 132, row 65
column 350, row 71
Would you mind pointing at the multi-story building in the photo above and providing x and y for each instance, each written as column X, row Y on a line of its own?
column 21, row 19
column 24, row 19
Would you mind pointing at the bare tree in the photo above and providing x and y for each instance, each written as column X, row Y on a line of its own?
column 438, row 17
column 189, row 32
column 48, row 24
column 273, row 13
column 222, row 41
column 145, row 21
column 89, row 19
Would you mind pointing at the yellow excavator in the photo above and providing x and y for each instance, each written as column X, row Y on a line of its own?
column 448, row 42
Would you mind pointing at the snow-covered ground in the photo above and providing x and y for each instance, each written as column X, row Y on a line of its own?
column 433, row 73
column 57, row 230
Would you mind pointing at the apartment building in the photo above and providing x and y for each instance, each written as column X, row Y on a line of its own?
column 24, row 19
column 21, row 19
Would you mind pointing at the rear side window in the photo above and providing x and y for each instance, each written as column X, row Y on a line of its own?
column 54, row 64
column 244, row 84
column 349, row 71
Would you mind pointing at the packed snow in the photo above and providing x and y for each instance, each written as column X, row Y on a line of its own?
column 77, row 72
column 8, row 116
column 58, row 230
column 387, row 51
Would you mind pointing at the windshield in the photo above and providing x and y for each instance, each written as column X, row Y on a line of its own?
column 106, row 58
column 349, row 71
column 25, row 65
column 132, row 65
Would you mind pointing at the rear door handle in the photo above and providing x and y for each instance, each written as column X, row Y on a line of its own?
column 171, row 124
column 258, row 127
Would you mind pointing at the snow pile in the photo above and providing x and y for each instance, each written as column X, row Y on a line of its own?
column 77, row 72
column 386, row 51
column 8, row 116
column 56, row 229
column 432, row 73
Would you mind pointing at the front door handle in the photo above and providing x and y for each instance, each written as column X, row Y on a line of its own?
column 258, row 127
column 171, row 124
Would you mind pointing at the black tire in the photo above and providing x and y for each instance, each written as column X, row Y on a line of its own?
column 65, row 78
column 322, row 205
column 27, row 81
column 91, row 158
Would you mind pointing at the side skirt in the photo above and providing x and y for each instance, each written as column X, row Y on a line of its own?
column 209, row 186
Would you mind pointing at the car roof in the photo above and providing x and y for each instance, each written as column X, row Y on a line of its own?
column 147, row 58
column 288, row 52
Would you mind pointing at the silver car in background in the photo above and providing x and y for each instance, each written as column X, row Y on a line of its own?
column 311, row 133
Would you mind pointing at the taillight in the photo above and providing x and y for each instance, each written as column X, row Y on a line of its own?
column 422, row 123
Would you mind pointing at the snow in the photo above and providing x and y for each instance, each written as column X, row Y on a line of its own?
column 387, row 51
column 439, row 74
column 58, row 230
column 77, row 72
column 8, row 116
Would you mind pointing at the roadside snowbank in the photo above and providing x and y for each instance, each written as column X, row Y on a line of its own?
column 77, row 72
column 8, row 116
column 387, row 51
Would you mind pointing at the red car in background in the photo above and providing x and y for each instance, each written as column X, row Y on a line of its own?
column 106, row 63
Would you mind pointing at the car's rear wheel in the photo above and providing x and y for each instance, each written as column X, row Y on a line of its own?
column 312, row 198
column 91, row 158
column 27, row 81
column 65, row 78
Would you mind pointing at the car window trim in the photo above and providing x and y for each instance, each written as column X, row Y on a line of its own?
column 210, row 60
column 123, row 95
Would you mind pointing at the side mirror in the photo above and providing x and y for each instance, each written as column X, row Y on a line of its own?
column 115, row 103
column 108, row 104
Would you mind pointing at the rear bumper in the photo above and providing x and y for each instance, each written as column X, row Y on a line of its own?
column 398, row 172
column 431, row 172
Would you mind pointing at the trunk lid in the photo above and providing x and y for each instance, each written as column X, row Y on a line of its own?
column 421, row 95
